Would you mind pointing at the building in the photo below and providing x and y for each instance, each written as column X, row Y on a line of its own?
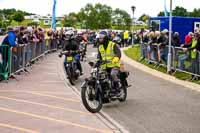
column 45, row 19
column 183, row 25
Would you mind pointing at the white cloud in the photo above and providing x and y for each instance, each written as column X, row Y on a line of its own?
column 43, row 7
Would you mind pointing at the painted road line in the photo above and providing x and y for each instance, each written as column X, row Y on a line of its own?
column 56, row 120
column 48, row 92
column 45, row 105
column 51, row 96
column 50, row 73
column 53, row 81
column 17, row 128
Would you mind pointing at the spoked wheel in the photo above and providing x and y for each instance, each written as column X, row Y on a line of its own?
column 91, row 102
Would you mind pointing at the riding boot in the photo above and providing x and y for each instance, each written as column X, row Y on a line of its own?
column 80, row 68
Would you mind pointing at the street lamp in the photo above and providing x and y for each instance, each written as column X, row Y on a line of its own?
column 133, row 10
column 170, row 38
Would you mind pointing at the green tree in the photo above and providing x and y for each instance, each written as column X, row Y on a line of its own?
column 95, row 17
column 18, row 16
column 180, row 11
column 121, row 19
column 144, row 18
column 195, row 13
column 10, row 12
column 98, row 16
column 161, row 13
column 70, row 20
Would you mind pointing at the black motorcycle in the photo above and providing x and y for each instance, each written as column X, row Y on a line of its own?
column 97, row 89
column 71, row 68
column 82, row 52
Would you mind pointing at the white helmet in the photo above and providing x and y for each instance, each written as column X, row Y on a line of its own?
column 69, row 32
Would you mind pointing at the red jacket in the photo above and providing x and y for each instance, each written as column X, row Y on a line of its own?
column 188, row 40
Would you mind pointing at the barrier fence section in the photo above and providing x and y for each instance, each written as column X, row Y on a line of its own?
column 16, row 59
column 4, row 62
column 181, row 60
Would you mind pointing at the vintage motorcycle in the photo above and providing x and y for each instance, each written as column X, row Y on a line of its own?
column 71, row 68
column 97, row 89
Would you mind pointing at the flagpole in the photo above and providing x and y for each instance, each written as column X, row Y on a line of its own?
column 165, row 9
column 53, row 25
column 170, row 38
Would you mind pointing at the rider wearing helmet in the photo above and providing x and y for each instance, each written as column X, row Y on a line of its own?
column 109, row 51
column 72, row 44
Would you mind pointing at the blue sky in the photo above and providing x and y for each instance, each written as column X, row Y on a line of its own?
column 44, row 7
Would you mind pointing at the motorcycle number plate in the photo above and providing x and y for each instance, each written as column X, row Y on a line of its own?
column 69, row 58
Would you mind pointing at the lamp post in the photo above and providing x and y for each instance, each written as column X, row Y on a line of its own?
column 133, row 10
column 170, row 38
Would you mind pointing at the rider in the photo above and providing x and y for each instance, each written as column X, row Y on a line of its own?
column 72, row 44
column 108, row 51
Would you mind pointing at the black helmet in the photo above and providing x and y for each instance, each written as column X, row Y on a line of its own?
column 102, row 34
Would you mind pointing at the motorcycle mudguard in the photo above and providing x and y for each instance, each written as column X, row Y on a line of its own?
column 84, row 84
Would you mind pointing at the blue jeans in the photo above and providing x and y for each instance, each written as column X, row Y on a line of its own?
column 163, row 55
column 182, row 60
column 143, row 51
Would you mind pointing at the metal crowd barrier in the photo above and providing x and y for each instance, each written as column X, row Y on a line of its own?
column 184, row 62
column 181, row 61
column 4, row 62
column 16, row 59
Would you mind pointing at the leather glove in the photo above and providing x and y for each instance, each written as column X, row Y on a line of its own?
column 115, row 60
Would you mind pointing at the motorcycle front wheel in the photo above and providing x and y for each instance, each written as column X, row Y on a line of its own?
column 70, row 76
column 92, row 102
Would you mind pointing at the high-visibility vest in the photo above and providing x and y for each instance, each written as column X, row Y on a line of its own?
column 194, row 54
column 108, row 55
column 126, row 35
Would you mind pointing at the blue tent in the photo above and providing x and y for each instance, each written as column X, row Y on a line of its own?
column 183, row 25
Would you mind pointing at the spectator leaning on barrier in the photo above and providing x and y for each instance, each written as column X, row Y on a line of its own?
column 195, row 47
column 188, row 39
column 35, row 37
column 145, row 41
column 185, row 56
column 152, row 40
column 162, row 42
column 176, row 40
column 10, row 38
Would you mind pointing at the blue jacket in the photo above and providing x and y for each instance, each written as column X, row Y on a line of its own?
column 10, row 39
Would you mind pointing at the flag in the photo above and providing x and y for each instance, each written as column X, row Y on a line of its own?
column 165, row 9
column 53, row 25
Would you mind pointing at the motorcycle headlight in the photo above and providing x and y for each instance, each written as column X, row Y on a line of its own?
column 93, row 72
column 102, row 75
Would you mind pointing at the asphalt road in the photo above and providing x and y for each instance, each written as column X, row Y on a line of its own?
column 153, row 105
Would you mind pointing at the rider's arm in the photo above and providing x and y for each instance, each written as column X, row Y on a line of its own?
column 65, row 45
column 99, row 55
column 117, row 51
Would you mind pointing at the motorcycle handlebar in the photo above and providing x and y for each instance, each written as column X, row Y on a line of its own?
column 69, row 52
